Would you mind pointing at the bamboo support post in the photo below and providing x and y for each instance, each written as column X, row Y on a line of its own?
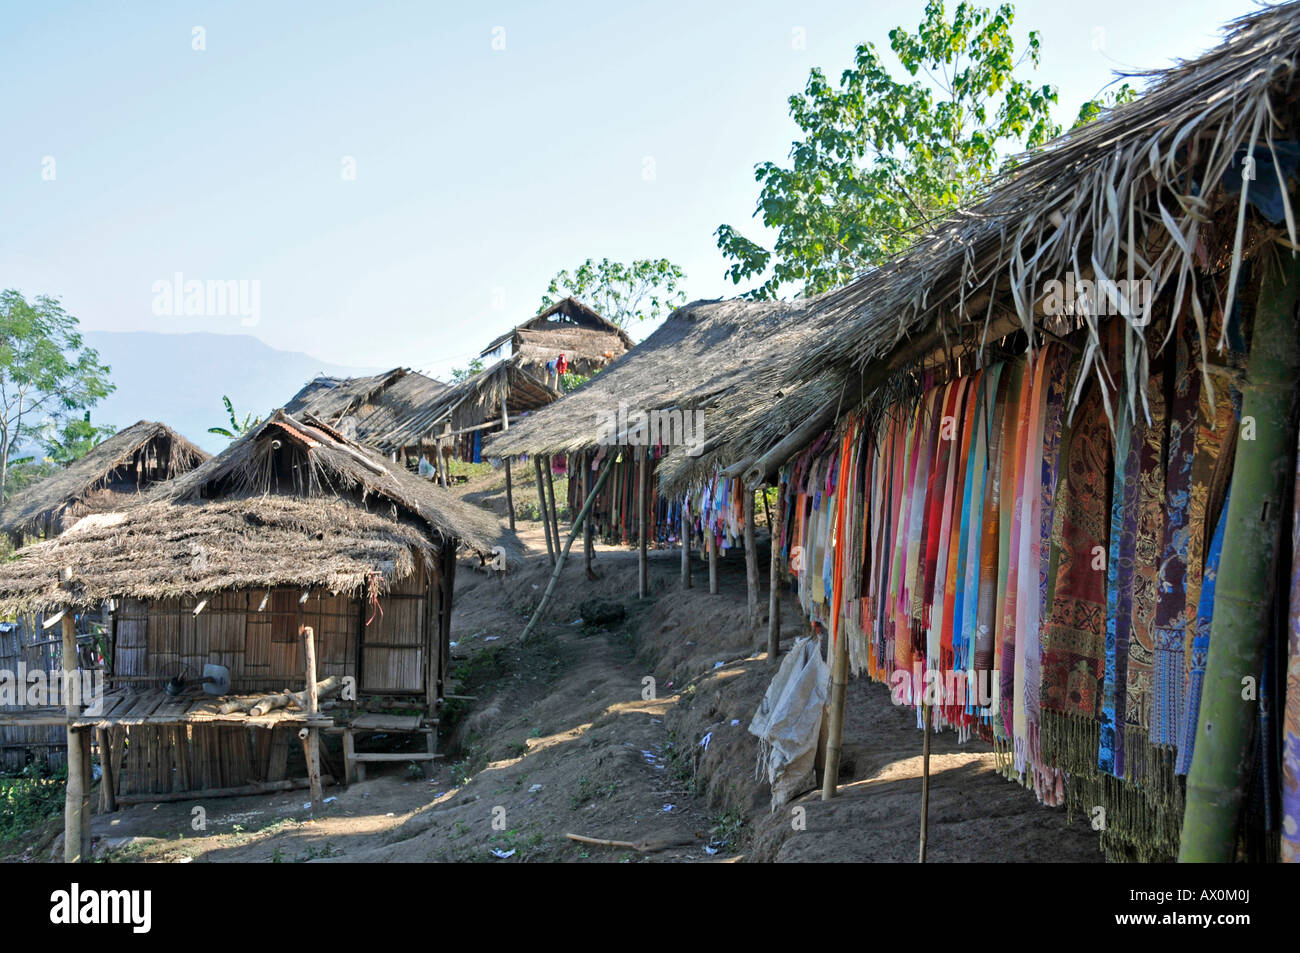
column 559, row 565
column 76, row 814
column 751, row 560
column 311, row 745
column 541, row 505
column 686, row 547
column 642, row 502
column 925, row 781
column 108, row 776
column 510, row 497
column 1243, row 595
column 835, row 725
column 587, row 534
column 711, row 541
column 774, row 582
column 550, row 492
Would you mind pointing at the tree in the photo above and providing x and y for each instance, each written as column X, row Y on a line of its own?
column 237, row 427
column 70, row 440
column 459, row 374
column 645, row 289
column 47, row 374
column 879, row 159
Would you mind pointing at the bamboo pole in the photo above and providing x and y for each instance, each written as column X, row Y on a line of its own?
column 925, row 782
column 835, row 727
column 510, row 497
column 1265, row 456
column 108, row 777
column 76, row 846
column 311, row 744
column 587, row 535
column 774, row 582
column 559, row 565
column 711, row 540
column 550, row 492
column 686, row 547
column 643, row 569
column 751, row 559
column 541, row 503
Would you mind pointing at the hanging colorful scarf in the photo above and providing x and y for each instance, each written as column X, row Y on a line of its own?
column 1074, row 634
column 1171, row 622
column 1291, row 716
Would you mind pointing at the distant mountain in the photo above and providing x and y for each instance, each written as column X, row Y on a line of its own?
column 179, row 379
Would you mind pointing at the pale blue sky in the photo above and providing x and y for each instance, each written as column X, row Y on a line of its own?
column 479, row 171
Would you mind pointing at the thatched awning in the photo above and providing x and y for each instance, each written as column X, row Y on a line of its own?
column 1136, row 194
column 131, row 460
column 162, row 550
column 291, row 503
column 702, row 353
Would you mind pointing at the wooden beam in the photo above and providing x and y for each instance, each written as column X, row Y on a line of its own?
column 774, row 582
column 686, row 546
column 76, row 847
column 835, row 726
column 587, row 534
column 751, row 557
column 311, row 746
column 510, row 497
column 643, row 570
column 550, row 492
column 542, row 507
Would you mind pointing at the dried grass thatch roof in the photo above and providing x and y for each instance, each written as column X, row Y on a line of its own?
column 699, row 358
column 1136, row 194
column 131, row 460
column 565, row 317
column 290, row 503
column 333, row 398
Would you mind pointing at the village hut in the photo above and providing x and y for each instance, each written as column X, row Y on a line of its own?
column 294, row 561
column 114, row 472
column 1098, row 364
column 127, row 463
column 588, row 341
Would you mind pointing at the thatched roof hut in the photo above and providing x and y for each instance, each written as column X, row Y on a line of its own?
column 586, row 339
column 703, row 353
column 290, row 503
column 127, row 463
column 1137, row 195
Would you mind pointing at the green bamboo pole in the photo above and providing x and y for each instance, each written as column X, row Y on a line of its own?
column 1220, row 772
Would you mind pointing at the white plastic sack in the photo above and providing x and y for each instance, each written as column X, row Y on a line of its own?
column 788, row 721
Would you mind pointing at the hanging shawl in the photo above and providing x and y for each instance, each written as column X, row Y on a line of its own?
column 986, row 630
column 965, row 596
column 1148, row 529
column 1171, row 621
column 1074, row 635
column 1013, row 443
column 1119, row 568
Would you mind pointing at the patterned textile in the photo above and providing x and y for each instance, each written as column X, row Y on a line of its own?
column 1291, row 715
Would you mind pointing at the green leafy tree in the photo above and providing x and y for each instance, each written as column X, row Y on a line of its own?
column 645, row 289
column 47, row 374
column 70, row 440
column 459, row 374
column 237, row 427
column 881, row 158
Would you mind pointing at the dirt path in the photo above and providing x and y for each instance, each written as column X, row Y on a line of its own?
column 635, row 730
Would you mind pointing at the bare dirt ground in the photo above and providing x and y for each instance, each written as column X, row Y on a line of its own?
column 561, row 738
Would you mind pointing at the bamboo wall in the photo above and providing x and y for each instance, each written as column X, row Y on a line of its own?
column 161, row 638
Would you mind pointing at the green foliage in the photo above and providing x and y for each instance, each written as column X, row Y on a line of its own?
column 27, row 801
column 464, row 373
column 47, row 374
column 881, row 158
column 646, row 289
column 237, row 427
column 71, row 440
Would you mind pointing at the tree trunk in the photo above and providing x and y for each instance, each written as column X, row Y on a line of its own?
column 1220, row 772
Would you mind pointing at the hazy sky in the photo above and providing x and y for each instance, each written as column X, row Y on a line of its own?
column 619, row 129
